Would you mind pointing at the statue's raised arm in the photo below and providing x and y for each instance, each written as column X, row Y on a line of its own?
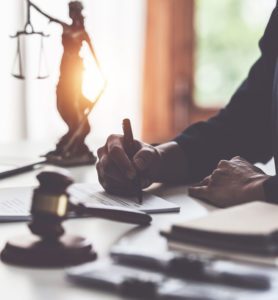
column 51, row 19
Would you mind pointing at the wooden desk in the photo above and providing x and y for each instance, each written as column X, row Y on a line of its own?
column 34, row 284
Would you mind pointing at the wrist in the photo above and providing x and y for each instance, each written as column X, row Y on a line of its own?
column 172, row 166
column 255, row 189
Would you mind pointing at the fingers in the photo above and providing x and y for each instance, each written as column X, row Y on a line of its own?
column 204, row 190
column 144, row 158
column 116, row 172
column 115, row 184
column 200, row 192
column 100, row 152
column 109, row 172
column 232, row 182
column 239, row 158
column 242, row 161
column 223, row 164
column 117, row 154
column 203, row 182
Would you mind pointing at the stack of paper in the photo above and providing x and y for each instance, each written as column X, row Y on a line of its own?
column 247, row 232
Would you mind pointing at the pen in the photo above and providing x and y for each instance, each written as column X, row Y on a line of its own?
column 21, row 170
column 130, row 149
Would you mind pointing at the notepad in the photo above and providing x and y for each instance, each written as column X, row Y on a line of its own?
column 15, row 202
column 246, row 232
column 253, row 218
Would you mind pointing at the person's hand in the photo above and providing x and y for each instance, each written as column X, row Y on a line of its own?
column 232, row 182
column 116, row 171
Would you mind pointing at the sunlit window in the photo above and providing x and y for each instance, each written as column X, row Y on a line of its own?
column 227, row 45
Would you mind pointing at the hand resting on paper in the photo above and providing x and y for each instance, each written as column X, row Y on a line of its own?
column 232, row 182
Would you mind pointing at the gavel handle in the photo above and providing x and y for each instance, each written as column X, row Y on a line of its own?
column 114, row 214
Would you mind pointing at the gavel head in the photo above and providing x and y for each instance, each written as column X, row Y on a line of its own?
column 50, row 203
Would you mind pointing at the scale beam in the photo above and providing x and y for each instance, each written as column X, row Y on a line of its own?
column 19, row 33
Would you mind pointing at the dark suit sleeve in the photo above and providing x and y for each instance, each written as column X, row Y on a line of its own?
column 243, row 127
column 271, row 189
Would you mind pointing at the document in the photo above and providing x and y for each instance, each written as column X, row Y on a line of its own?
column 15, row 203
column 94, row 194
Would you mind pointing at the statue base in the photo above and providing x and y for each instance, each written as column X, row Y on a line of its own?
column 31, row 251
column 87, row 158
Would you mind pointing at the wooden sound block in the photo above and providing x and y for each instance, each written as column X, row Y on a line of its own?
column 31, row 251
column 85, row 159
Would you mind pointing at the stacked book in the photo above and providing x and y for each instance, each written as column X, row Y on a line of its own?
column 247, row 232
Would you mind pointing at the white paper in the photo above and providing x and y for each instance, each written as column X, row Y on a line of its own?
column 15, row 203
column 94, row 194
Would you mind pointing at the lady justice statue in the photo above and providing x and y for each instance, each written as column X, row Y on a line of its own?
column 73, row 107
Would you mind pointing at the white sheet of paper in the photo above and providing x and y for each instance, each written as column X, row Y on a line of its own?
column 93, row 193
column 15, row 203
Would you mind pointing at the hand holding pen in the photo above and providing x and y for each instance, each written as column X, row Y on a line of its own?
column 117, row 172
column 130, row 149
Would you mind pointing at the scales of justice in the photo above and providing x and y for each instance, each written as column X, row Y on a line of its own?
column 72, row 105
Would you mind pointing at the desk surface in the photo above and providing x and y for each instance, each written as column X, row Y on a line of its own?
column 32, row 284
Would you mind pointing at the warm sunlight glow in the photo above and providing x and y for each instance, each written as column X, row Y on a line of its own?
column 93, row 79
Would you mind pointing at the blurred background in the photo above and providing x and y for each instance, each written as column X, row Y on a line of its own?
column 168, row 63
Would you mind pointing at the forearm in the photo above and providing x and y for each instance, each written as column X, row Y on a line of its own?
column 173, row 166
column 39, row 10
column 45, row 14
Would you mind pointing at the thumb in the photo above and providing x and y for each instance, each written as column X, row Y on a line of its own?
column 144, row 158
column 199, row 192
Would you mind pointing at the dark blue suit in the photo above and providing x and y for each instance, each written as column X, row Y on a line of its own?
column 244, row 126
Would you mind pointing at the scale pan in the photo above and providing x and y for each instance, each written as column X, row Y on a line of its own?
column 18, row 76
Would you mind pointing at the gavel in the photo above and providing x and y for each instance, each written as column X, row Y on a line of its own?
column 51, row 205
column 50, row 246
